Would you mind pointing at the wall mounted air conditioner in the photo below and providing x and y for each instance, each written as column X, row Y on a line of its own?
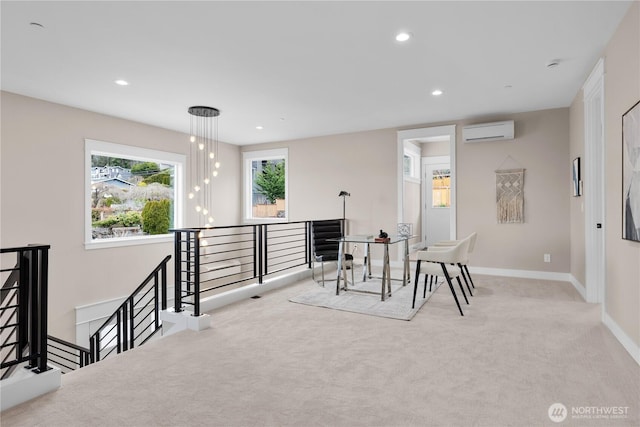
column 488, row 131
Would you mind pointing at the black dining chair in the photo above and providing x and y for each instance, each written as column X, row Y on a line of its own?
column 325, row 247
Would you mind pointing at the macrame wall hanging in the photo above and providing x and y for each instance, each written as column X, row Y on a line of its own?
column 510, row 196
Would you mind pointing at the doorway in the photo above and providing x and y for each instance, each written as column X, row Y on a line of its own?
column 424, row 137
column 593, row 91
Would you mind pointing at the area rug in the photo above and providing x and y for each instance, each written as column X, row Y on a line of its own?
column 398, row 306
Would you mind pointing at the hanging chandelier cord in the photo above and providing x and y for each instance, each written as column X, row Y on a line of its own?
column 204, row 160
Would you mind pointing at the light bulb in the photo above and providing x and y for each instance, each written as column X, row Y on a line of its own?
column 201, row 146
column 191, row 195
column 205, row 211
column 215, row 173
column 204, row 242
column 210, row 219
column 198, row 208
column 192, row 139
column 206, row 180
column 217, row 165
column 197, row 188
column 212, row 155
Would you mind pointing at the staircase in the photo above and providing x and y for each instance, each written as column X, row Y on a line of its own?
column 133, row 323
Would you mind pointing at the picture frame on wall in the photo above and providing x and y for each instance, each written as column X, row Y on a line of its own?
column 631, row 173
column 576, row 179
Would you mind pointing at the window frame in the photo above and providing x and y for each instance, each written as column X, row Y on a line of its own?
column 248, row 157
column 101, row 148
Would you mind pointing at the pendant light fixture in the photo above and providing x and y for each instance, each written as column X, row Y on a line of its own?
column 204, row 161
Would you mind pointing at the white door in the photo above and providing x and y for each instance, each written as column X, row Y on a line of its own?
column 436, row 185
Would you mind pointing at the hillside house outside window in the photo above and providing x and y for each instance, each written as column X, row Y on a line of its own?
column 132, row 195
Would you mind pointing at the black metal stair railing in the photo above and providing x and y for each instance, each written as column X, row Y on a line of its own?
column 133, row 323
column 219, row 258
column 67, row 356
column 23, row 308
column 137, row 319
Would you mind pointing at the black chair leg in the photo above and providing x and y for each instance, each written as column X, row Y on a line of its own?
column 424, row 290
column 462, row 289
column 455, row 297
column 453, row 292
column 469, row 276
column 415, row 285
column 465, row 279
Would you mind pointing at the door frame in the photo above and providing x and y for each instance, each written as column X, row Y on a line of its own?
column 424, row 161
column 594, row 132
column 410, row 134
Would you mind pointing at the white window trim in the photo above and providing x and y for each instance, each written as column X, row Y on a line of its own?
column 101, row 148
column 247, row 158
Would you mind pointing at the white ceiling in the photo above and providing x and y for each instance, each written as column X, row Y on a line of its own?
column 303, row 69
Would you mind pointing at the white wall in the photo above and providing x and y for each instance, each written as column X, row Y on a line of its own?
column 42, row 192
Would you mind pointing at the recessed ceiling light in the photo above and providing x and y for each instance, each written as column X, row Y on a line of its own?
column 259, row 127
column 436, row 92
column 403, row 37
column 121, row 82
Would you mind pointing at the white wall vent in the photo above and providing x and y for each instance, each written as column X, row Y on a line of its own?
column 488, row 131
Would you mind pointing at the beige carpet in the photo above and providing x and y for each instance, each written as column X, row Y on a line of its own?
column 522, row 346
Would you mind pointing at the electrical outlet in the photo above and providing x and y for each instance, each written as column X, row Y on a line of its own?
column 547, row 257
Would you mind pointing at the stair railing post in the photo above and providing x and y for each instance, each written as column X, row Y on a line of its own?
column 177, row 274
column 43, row 285
column 259, row 260
column 163, row 285
column 196, row 272
column 132, row 325
column 34, row 323
column 23, row 302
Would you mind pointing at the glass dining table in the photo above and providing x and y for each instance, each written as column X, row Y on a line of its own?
column 367, row 241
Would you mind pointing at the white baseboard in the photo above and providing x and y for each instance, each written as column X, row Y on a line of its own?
column 525, row 274
column 632, row 348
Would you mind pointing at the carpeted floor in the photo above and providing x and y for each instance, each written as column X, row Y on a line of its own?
column 522, row 346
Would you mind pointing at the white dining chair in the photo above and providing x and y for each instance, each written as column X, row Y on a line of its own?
column 442, row 261
column 464, row 265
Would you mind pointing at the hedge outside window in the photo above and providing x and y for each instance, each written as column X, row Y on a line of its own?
column 133, row 195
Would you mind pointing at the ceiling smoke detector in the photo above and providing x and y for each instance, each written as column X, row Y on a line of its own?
column 553, row 63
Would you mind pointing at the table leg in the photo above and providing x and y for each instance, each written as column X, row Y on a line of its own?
column 367, row 260
column 406, row 275
column 340, row 259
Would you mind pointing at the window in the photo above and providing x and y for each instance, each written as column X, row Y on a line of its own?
column 441, row 187
column 265, row 185
column 132, row 195
column 411, row 163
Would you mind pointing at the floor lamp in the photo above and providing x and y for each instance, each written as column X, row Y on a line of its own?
column 344, row 195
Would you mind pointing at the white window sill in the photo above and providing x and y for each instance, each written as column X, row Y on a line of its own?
column 127, row 241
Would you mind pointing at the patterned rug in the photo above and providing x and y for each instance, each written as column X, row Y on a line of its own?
column 398, row 306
